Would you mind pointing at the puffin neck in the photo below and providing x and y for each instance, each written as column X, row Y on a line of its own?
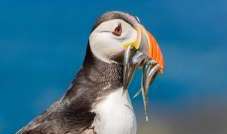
column 95, row 78
column 100, row 71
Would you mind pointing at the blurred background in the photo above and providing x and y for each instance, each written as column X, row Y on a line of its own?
column 42, row 45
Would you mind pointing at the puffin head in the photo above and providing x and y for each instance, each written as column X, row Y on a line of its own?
column 114, row 31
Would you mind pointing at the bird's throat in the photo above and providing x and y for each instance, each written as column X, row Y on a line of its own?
column 101, row 71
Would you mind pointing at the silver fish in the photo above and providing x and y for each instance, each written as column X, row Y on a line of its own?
column 135, row 59
column 143, row 53
column 129, row 68
column 150, row 70
column 132, row 60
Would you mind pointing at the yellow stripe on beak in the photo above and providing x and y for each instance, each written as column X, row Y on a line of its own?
column 134, row 43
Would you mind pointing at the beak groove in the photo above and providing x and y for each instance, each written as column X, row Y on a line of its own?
column 154, row 51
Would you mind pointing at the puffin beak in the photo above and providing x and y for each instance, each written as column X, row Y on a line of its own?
column 150, row 47
column 139, row 52
column 145, row 53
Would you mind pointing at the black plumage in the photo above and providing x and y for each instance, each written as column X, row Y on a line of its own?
column 72, row 113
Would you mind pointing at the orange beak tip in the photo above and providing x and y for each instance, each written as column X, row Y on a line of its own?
column 155, row 52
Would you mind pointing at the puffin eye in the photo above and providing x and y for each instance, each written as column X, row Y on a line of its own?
column 118, row 30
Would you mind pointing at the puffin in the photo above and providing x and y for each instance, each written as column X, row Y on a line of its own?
column 98, row 102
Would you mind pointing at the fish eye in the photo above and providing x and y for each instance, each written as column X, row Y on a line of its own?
column 118, row 30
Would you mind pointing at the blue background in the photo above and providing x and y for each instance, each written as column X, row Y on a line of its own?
column 43, row 43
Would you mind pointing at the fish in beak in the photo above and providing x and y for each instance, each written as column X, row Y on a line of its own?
column 143, row 53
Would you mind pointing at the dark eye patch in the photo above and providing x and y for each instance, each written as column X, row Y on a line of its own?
column 118, row 30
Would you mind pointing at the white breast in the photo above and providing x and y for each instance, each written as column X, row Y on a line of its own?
column 115, row 115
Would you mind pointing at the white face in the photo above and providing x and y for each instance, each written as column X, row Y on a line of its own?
column 108, row 38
